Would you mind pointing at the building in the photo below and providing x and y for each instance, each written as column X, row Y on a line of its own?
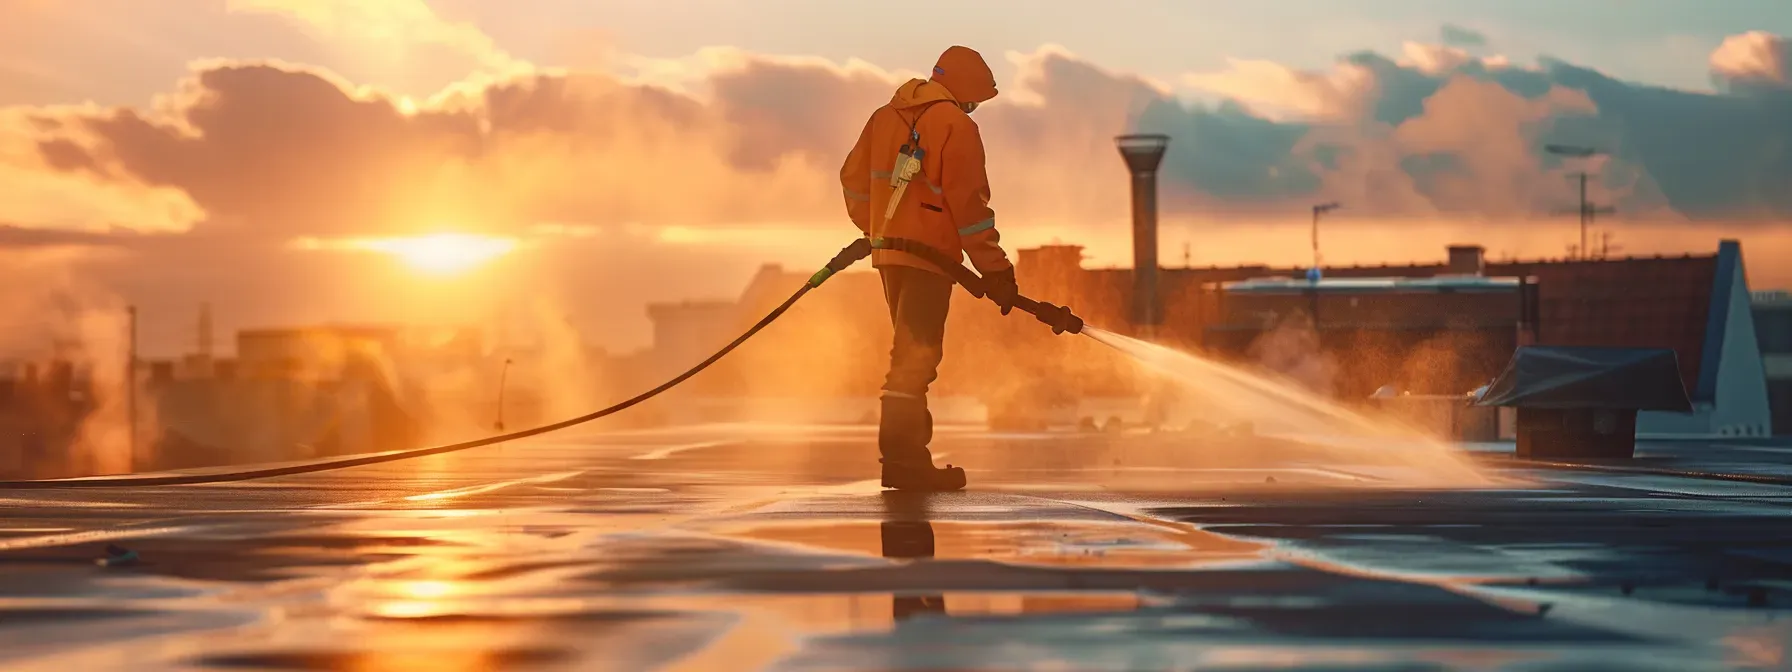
column 1467, row 327
column 1381, row 324
column 1693, row 304
column 1696, row 305
column 321, row 352
column 1436, row 336
column 1773, row 332
column 42, row 408
column 311, row 391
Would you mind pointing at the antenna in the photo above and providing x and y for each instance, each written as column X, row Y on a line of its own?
column 205, row 331
column 1606, row 248
column 1587, row 209
column 1319, row 209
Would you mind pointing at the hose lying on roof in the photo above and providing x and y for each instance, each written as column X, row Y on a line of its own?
column 847, row 257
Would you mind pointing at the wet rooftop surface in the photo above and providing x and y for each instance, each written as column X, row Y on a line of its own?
column 757, row 547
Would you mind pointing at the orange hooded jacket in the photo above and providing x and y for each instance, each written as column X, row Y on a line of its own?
column 946, row 206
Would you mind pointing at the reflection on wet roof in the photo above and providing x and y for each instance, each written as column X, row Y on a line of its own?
column 760, row 547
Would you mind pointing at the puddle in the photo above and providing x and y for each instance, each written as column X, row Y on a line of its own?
column 668, row 451
column 743, row 630
column 776, row 555
column 27, row 632
column 441, row 495
column 1053, row 543
column 27, row 616
column 246, row 559
column 45, row 502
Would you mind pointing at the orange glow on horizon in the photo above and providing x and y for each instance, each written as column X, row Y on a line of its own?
column 434, row 254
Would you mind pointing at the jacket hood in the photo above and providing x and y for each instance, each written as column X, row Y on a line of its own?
column 918, row 92
column 966, row 74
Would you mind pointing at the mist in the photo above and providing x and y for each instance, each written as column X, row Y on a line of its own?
column 51, row 317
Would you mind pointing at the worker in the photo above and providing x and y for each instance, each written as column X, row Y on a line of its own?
column 917, row 175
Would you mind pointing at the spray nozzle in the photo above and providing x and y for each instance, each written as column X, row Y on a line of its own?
column 1059, row 318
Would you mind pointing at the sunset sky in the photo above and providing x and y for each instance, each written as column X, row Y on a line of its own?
column 302, row 161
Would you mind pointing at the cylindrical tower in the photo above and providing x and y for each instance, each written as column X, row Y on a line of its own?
column 1143, row 153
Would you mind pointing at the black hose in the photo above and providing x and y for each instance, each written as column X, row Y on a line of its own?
column 848, row 256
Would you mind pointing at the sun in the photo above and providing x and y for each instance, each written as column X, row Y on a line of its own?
column 443, row 253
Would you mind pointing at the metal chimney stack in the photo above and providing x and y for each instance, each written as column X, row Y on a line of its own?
column 1143, row 153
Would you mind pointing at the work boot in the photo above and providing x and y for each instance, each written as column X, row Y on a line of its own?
column 922, row 476
column 904, row 430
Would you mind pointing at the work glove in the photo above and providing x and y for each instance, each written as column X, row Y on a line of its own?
column 999, row 287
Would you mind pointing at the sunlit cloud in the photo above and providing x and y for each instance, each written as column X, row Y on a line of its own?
column 564, row 230
column 694, row 74
column 412, row 45
column 1754, row 55
column 1281, row 92
column 57, row 185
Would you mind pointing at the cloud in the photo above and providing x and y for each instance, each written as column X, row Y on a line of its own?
column 50, row 182
column 14, row 237
column 1462, row 38
column 1752, row 58
column 1711, row 156
column 406, row 41
column 1430, row 134
column 1471, row 152
column 732, row 138
column 1277, row 91
column 125, row 51
column 1672, row 153
column 1433, row 59
column 285, row 151
column 695, row 169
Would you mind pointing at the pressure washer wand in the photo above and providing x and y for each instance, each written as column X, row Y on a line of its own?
column 1059, row 318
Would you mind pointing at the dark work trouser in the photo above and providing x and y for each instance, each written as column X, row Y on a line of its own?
column 918, row 301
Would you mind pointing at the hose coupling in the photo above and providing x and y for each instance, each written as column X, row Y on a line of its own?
column 849, row 255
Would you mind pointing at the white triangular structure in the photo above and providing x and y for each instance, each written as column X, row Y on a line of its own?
column 1730, row 398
